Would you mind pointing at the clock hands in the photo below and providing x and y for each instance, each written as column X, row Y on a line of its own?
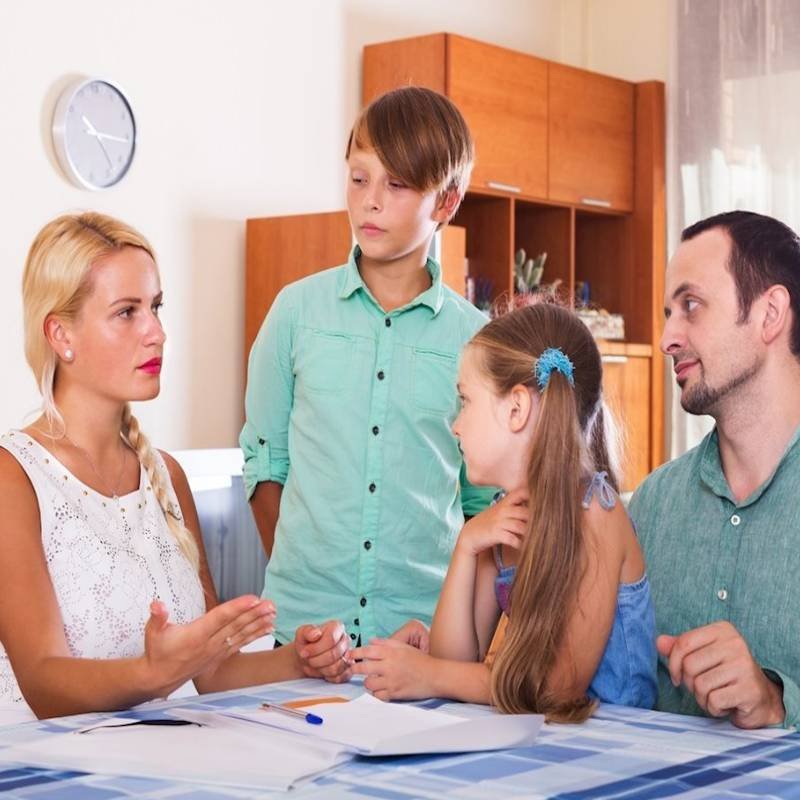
column 92, row 131
column 111, row 138
column 99, row 135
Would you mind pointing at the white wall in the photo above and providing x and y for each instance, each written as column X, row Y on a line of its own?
column 625, row 38
column 242, row 111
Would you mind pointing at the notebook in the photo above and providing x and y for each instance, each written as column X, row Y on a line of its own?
column 371, row 727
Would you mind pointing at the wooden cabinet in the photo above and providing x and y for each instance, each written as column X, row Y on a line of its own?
column 591, row 133
column 280, row 250
column 503, row 97
column 501, row 93
column 541, row 129
column 626, row 385
column 600, row 215
column 421, row 61
column 568, row 162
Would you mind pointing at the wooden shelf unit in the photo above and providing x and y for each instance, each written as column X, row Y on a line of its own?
column 571, row 163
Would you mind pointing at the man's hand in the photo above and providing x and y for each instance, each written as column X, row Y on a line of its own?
column 323, row 651
column 716, row 666
column 415, row 633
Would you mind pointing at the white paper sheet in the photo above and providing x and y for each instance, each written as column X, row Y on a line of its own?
column 224, row 752
column 371, row 727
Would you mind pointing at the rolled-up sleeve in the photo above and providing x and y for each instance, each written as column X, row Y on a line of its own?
column 791, row 697
column 268, row 398
column 474, row 499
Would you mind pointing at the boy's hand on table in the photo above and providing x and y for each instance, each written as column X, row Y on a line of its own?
column 415, row 633
column 324, row 651
column 394, row 670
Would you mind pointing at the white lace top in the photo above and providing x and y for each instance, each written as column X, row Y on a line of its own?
column 108, row 559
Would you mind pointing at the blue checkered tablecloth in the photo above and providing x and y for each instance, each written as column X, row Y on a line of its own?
column 619, row 753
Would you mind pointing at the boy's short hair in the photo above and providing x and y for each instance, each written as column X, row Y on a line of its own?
column 419, row 136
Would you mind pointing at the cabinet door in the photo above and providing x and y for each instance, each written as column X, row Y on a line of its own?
column 626, row 384
column 591, row 126
column 280, row 250
column 503, row 96
column 419, row 61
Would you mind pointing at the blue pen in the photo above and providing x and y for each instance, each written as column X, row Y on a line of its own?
column 313, row 719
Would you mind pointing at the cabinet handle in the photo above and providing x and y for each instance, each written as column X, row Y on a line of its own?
column 614, row 359
column 595, row 201
column 503, row 187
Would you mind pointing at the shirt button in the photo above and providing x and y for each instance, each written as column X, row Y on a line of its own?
column 368, row 545
column 356, row 621
column 388, row 322
column 381, row 375
column 375, row 430
column 372, row 488
column 722, row 594
column 363, row 601
column 735, row 519
column 353, row 636
column 261, row 441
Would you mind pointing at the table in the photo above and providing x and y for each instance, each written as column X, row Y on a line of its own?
column 620, row 753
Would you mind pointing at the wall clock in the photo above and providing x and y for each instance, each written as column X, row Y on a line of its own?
column 94, row 133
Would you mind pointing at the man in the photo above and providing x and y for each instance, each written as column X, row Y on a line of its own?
column 720, row 526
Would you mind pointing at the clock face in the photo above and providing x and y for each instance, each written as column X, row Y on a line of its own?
column 94, row 133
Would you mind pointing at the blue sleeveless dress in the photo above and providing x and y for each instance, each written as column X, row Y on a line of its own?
column 626, row 674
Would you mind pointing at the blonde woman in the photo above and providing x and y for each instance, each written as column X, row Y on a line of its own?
column 107, row 600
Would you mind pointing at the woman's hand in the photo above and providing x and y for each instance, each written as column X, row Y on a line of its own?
column 176, row 653
column 324, row 651
column 505, row 522
column 395, row 670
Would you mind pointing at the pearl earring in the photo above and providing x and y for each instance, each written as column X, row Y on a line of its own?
column 68, row 355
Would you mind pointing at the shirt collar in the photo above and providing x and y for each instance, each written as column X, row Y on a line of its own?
column 713, row 477
column 351, row 281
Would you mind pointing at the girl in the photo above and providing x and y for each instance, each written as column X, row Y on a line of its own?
column 99, row 539
column 556, row 554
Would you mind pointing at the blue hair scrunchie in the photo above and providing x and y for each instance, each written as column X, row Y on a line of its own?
column 553, row 359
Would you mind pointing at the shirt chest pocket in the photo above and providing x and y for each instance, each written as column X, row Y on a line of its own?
column 434, row 381
column 328, row 363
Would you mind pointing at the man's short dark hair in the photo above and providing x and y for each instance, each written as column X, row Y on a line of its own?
column 764, row 252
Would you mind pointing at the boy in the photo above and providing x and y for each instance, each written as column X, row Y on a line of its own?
column 354, row 477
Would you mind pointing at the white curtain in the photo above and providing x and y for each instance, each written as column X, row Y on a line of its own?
column 734, row 126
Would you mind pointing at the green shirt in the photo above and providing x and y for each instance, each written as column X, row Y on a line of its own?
column 710, row 558
column 350, row 409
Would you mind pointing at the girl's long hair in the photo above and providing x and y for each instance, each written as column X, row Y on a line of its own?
column 56, row 282
column 570, row 442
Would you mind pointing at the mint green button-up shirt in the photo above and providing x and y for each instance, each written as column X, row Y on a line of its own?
column 710, row 558
column 350, row 409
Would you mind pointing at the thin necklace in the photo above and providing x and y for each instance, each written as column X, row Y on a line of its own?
column 114, row 493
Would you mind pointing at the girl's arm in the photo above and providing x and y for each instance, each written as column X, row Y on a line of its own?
column 606, row 537
column 466, row 608
column 467, row 612
column 291, row 661
column 397, row 671
column 55, row 683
